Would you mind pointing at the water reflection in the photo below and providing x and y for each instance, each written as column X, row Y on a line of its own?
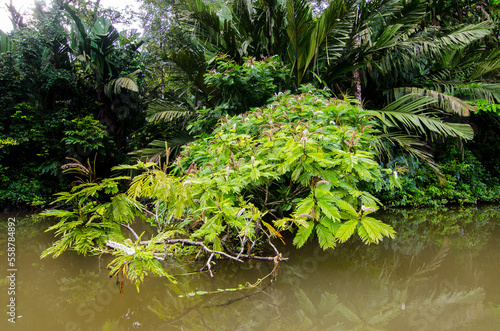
column 440, row 273
column 379, row 301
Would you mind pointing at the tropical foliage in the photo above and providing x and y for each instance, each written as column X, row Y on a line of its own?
column 257, row 92
column 64, row 93
column 298, row 164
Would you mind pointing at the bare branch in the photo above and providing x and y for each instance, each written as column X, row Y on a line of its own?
column 234, row 257
column 202, row 245
column 208, row 266
column 130, row 229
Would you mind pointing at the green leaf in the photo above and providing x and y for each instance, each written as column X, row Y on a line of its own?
column 372, row 230
column 325, row 238
column 346, row 230
column 305, row 206
column 327, row 204
column 347, row 207
column 303, row 234
column 123, row 209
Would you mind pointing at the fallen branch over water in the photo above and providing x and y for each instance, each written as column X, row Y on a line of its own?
column 202, row 245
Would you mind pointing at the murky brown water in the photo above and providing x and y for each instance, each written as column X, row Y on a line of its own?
column 441, row 273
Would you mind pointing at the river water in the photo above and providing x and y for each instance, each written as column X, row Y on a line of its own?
column 442, row 272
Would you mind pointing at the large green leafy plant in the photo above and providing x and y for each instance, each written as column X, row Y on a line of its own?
column 295, row 165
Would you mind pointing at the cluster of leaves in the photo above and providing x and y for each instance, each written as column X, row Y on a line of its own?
column 247, row 85
column 485, row 106
column 466, row 181
column 86, row 136
column 235, row 88
column 297, row 162
column 63, row 94
column 295, row 165
column 93, row 224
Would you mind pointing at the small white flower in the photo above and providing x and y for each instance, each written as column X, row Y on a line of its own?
column 332, row 122
column 395, row 174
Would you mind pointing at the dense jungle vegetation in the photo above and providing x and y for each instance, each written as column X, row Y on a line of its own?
column 229, row 125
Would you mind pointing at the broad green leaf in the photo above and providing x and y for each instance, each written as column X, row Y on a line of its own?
column 325, row 238
column 303, row 234
column 332, row 226
column 328, row 206
column 346, row 230
column 123, row 209
column 373, row 230
column 301, row 222
column 347, row 207
column 304, row 206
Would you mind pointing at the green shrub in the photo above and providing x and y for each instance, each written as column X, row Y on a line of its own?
column 238, row 87
column 299, row 161
column 466, row 180
column 294, row 165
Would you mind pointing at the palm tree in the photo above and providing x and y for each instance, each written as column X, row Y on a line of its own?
column 417, row 73
column 94, row 50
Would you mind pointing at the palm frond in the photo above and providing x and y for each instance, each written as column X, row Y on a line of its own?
column 336, row 42
column 413, row 113
column 162, row 148
column 445, row 102
column 331, row 29
column 466, row 35
column 128, row 82
column 430, row 43
column 489, row 64
column 299, row 30
column 167, row 110
column 389, row 38
column 489, row 92
column 409, row 143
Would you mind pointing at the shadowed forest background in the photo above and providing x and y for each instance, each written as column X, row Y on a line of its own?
column 73, row 86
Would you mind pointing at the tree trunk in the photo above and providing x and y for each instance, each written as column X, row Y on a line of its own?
column 357, row 74
column 357, row 85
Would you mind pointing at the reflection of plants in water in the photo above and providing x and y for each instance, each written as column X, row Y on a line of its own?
column 207, row 313
column 446, row 310
column 81, row 288
column 386, row 287
column 491, row 322
column 396, row 287
column 113, row 325
column 331, row 314
column 28, row 228
column 185, row 306
column 416, row 302
column 470, row 228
